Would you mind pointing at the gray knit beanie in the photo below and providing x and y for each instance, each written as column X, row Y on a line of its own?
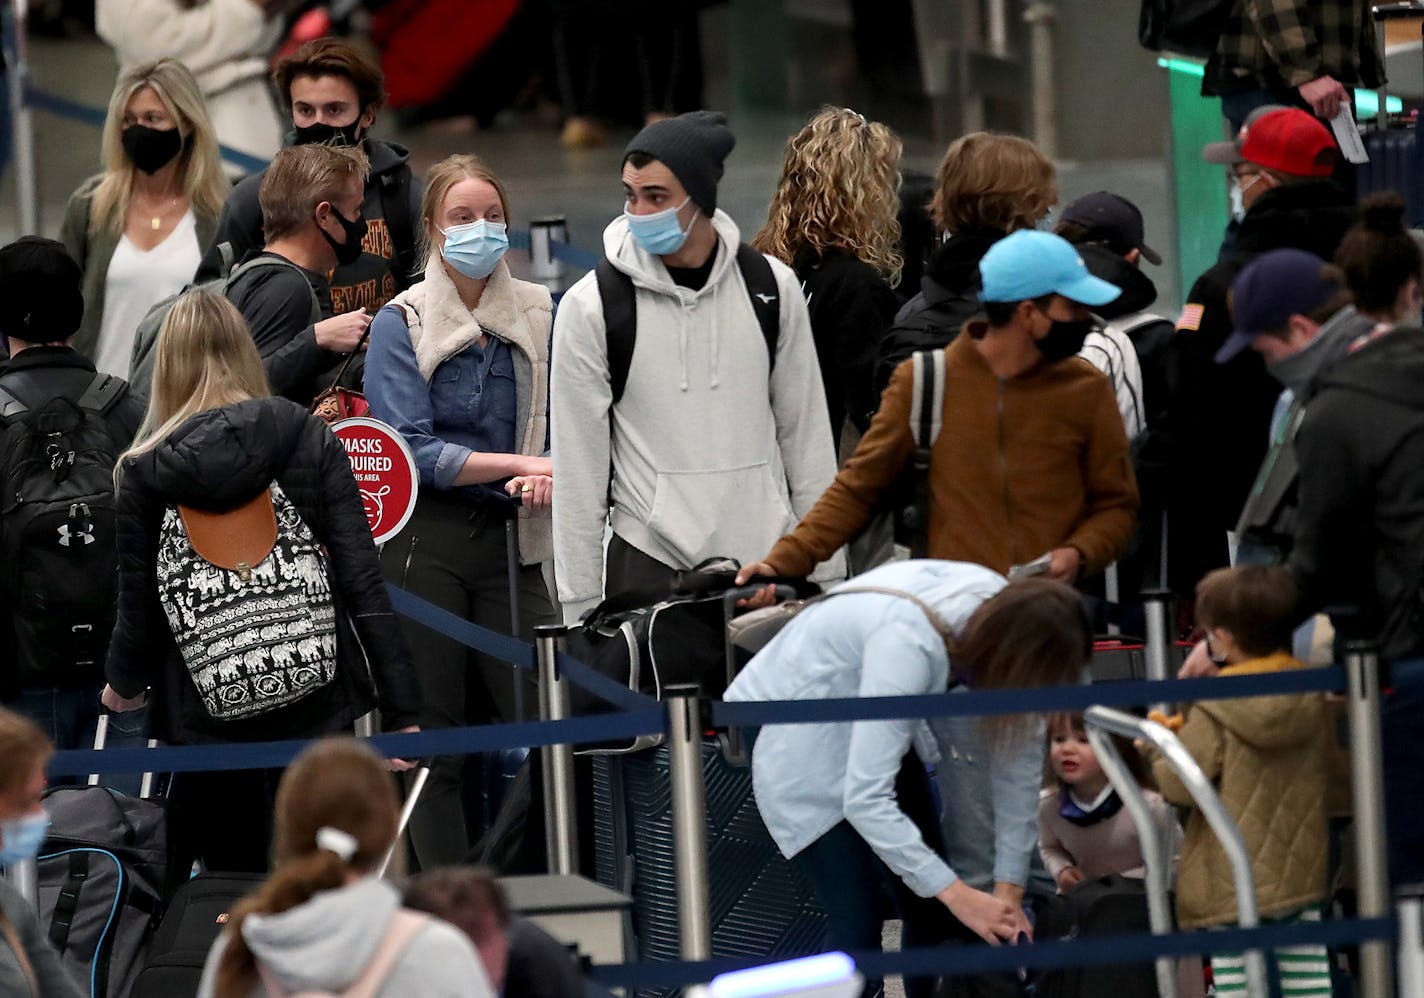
column 693, row 146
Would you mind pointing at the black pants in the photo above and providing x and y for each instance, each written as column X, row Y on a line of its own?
column 854, row 884
column 223, row 819
column 453, row 554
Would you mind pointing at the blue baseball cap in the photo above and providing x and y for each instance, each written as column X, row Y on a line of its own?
column 1030, row 264
column 1269, row 290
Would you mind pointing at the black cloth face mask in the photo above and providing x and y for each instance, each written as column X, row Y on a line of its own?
column 323, row 134
column 1064, row 339
column 350, row 251
column 151, row 149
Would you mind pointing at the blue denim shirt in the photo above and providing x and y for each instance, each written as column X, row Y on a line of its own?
column 469, row 405
column 808, row 777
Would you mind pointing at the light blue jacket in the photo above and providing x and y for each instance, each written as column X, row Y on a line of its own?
column 808, row 777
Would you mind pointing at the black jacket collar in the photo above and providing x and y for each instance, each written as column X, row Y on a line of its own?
column 35, row 358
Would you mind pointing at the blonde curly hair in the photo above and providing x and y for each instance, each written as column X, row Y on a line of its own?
column 839, row 190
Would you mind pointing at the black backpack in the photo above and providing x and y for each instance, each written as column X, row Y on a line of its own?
column 57, row 533
column 620, row 312
column 1191, row 27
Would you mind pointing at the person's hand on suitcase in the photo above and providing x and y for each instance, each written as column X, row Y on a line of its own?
column 1013, row 895
column 535, row 491
column 403, row 765
column 1325, row 95
column 989, row 917
column 1068, row 878
column 1198, row 664
column 122, row 705
column 767, row 595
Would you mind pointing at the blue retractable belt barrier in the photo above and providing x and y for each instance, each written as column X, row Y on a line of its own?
column 467, row 633
column 1042, row 700
column 958, row 960
column 440, row 741
column 600, row 685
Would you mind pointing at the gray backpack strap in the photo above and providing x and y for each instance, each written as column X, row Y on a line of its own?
column 268, row 260
column 926, row 420
column 927, row 397
column 10, row 406
column 102, row 393
column 226, row 258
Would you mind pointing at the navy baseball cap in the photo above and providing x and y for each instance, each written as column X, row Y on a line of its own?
column 1030, row 264
column 1272, row 288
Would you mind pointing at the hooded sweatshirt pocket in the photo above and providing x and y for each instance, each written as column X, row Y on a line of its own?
column 732, row 512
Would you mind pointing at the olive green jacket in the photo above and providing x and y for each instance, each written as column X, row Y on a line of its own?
column 93, row 251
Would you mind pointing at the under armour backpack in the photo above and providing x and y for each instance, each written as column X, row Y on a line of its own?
column 57, row 533
column 249, row 601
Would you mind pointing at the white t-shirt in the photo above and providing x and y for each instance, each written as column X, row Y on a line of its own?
column 137, row 281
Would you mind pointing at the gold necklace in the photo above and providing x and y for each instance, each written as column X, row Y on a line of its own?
column 156, row 222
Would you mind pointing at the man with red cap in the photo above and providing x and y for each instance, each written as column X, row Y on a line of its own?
column 1219, row 414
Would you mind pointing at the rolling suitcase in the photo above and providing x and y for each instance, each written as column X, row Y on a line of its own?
column 1396, row 158
column 761, row 906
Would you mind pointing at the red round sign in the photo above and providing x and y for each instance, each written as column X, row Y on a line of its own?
column 385, row 473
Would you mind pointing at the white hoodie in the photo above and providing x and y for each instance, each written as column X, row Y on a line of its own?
column 712, row 454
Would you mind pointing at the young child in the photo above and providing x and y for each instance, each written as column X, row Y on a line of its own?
column 1266, row 756
column 1084, row 832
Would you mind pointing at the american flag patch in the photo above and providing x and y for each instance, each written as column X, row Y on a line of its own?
column 1191, row 317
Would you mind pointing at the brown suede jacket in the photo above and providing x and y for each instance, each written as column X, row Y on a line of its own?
column 1266, row 758
column 1022, row 466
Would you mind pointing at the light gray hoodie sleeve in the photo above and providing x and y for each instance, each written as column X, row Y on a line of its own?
column 798, row 404
column 580, row 397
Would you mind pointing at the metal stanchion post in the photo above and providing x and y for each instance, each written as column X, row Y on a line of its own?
column 689, row 820
column 26, row 878
column 560, row 826
column 1157, row 606
column 1362, row 670
column 22, row 120
column 1410, row 951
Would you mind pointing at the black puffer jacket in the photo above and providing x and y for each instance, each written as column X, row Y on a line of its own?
column 1219, row 415
column 1359, row 537
column 948, row 298
column 216, row 461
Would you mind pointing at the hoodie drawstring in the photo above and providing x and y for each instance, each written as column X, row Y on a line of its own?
column 716, row 340
column 682, row 339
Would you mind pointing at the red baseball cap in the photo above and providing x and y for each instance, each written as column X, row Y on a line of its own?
column 1287, row 140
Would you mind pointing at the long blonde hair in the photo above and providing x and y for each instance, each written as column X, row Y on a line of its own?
column 445, row 175
column 338, row 783
column 199, row 164
column 839, row 190
column 204, row 359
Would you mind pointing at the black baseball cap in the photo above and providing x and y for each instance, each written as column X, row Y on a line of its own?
column 1111, row 219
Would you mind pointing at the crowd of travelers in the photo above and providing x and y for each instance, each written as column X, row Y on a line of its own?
column 187, row 558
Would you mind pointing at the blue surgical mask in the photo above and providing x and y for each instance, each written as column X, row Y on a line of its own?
column 475, row 249
column 660, row 233
column 21, row 838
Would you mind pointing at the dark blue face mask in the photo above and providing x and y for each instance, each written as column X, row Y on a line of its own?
column 1070, row 811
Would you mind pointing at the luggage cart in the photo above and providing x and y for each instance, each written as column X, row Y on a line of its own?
column 1102, row 722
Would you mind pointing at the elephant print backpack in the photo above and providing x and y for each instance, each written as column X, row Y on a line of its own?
column 248, row 598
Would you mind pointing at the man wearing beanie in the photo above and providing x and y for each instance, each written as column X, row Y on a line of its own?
column 49, row 672
column 685, row 399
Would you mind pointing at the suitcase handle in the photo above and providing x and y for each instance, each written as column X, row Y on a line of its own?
column 1396, row 11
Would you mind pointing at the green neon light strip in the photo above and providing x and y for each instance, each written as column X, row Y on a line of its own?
column 1366, row 101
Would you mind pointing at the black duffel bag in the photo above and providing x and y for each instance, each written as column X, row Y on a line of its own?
column 650, row 639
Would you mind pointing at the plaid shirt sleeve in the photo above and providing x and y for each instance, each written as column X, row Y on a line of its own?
column 1291, row 42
